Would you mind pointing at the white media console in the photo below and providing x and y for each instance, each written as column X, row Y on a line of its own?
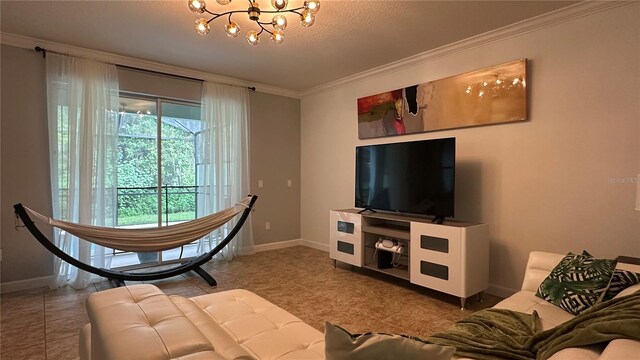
column 452, row 257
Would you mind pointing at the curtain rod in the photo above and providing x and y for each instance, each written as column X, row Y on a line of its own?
column 45, row 51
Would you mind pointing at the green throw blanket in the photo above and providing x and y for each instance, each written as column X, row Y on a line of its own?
column 506, row 334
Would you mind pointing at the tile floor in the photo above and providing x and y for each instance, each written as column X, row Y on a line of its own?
column 45, row 324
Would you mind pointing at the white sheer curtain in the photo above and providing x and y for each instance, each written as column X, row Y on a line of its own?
column 223, row 162
column 82, row 107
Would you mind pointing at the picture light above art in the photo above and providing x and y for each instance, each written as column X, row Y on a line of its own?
column 491, row 95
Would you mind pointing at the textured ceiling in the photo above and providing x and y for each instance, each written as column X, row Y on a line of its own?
column 348, row 37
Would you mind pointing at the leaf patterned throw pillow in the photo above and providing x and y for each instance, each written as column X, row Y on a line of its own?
column 621, row 280
column 577, row 282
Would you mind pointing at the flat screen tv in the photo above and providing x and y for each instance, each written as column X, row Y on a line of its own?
column 416, row 177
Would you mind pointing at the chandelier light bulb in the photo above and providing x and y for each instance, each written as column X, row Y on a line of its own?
column 252, row 37
column 202, row 26
column 312, row 5
column 223, row 2
column 197, row 6
column 277, row 37
column 307, row 18
column 279, row 4
column 232, row 29
column 279, row 22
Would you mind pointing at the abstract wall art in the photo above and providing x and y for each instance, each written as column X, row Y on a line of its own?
column 491, row 95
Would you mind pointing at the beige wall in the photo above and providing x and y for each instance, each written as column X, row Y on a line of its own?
column 540, row 185
column 24, row 161
column 24, row 157
column 275, row 158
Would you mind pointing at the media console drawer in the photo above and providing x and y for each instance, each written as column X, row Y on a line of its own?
column 345, row 243
column 437, row 249
column 453, row 259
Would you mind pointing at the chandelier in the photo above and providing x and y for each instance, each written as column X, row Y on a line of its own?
column 277, row 24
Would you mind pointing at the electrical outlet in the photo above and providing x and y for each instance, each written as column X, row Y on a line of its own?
column 260, row 183
column 289, row 183
column 267, row 225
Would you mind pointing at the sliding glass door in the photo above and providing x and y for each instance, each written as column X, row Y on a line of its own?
column 157, row 145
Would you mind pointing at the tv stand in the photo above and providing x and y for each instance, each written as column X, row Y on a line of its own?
column 451, row 257
column 367, row 209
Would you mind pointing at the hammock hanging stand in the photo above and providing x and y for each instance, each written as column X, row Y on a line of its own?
column 118, row 277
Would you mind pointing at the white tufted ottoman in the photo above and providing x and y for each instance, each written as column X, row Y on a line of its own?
column 141, row 322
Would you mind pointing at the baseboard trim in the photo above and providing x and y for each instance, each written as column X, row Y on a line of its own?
column 13, row 286
column 290, row 243
column 277, row 245
column 45, row 281
column 315, row 245
column 501, row 291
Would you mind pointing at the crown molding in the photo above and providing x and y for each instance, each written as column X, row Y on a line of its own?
column 522, row 27
column 30, row 43
column 559, row 16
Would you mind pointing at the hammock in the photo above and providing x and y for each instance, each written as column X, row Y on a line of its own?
column 150, row 239
column 141, row 240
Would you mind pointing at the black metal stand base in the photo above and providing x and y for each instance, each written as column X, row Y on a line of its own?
column 116, row 283
column 117, row 278
column 205, row 275
column 366, row 209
